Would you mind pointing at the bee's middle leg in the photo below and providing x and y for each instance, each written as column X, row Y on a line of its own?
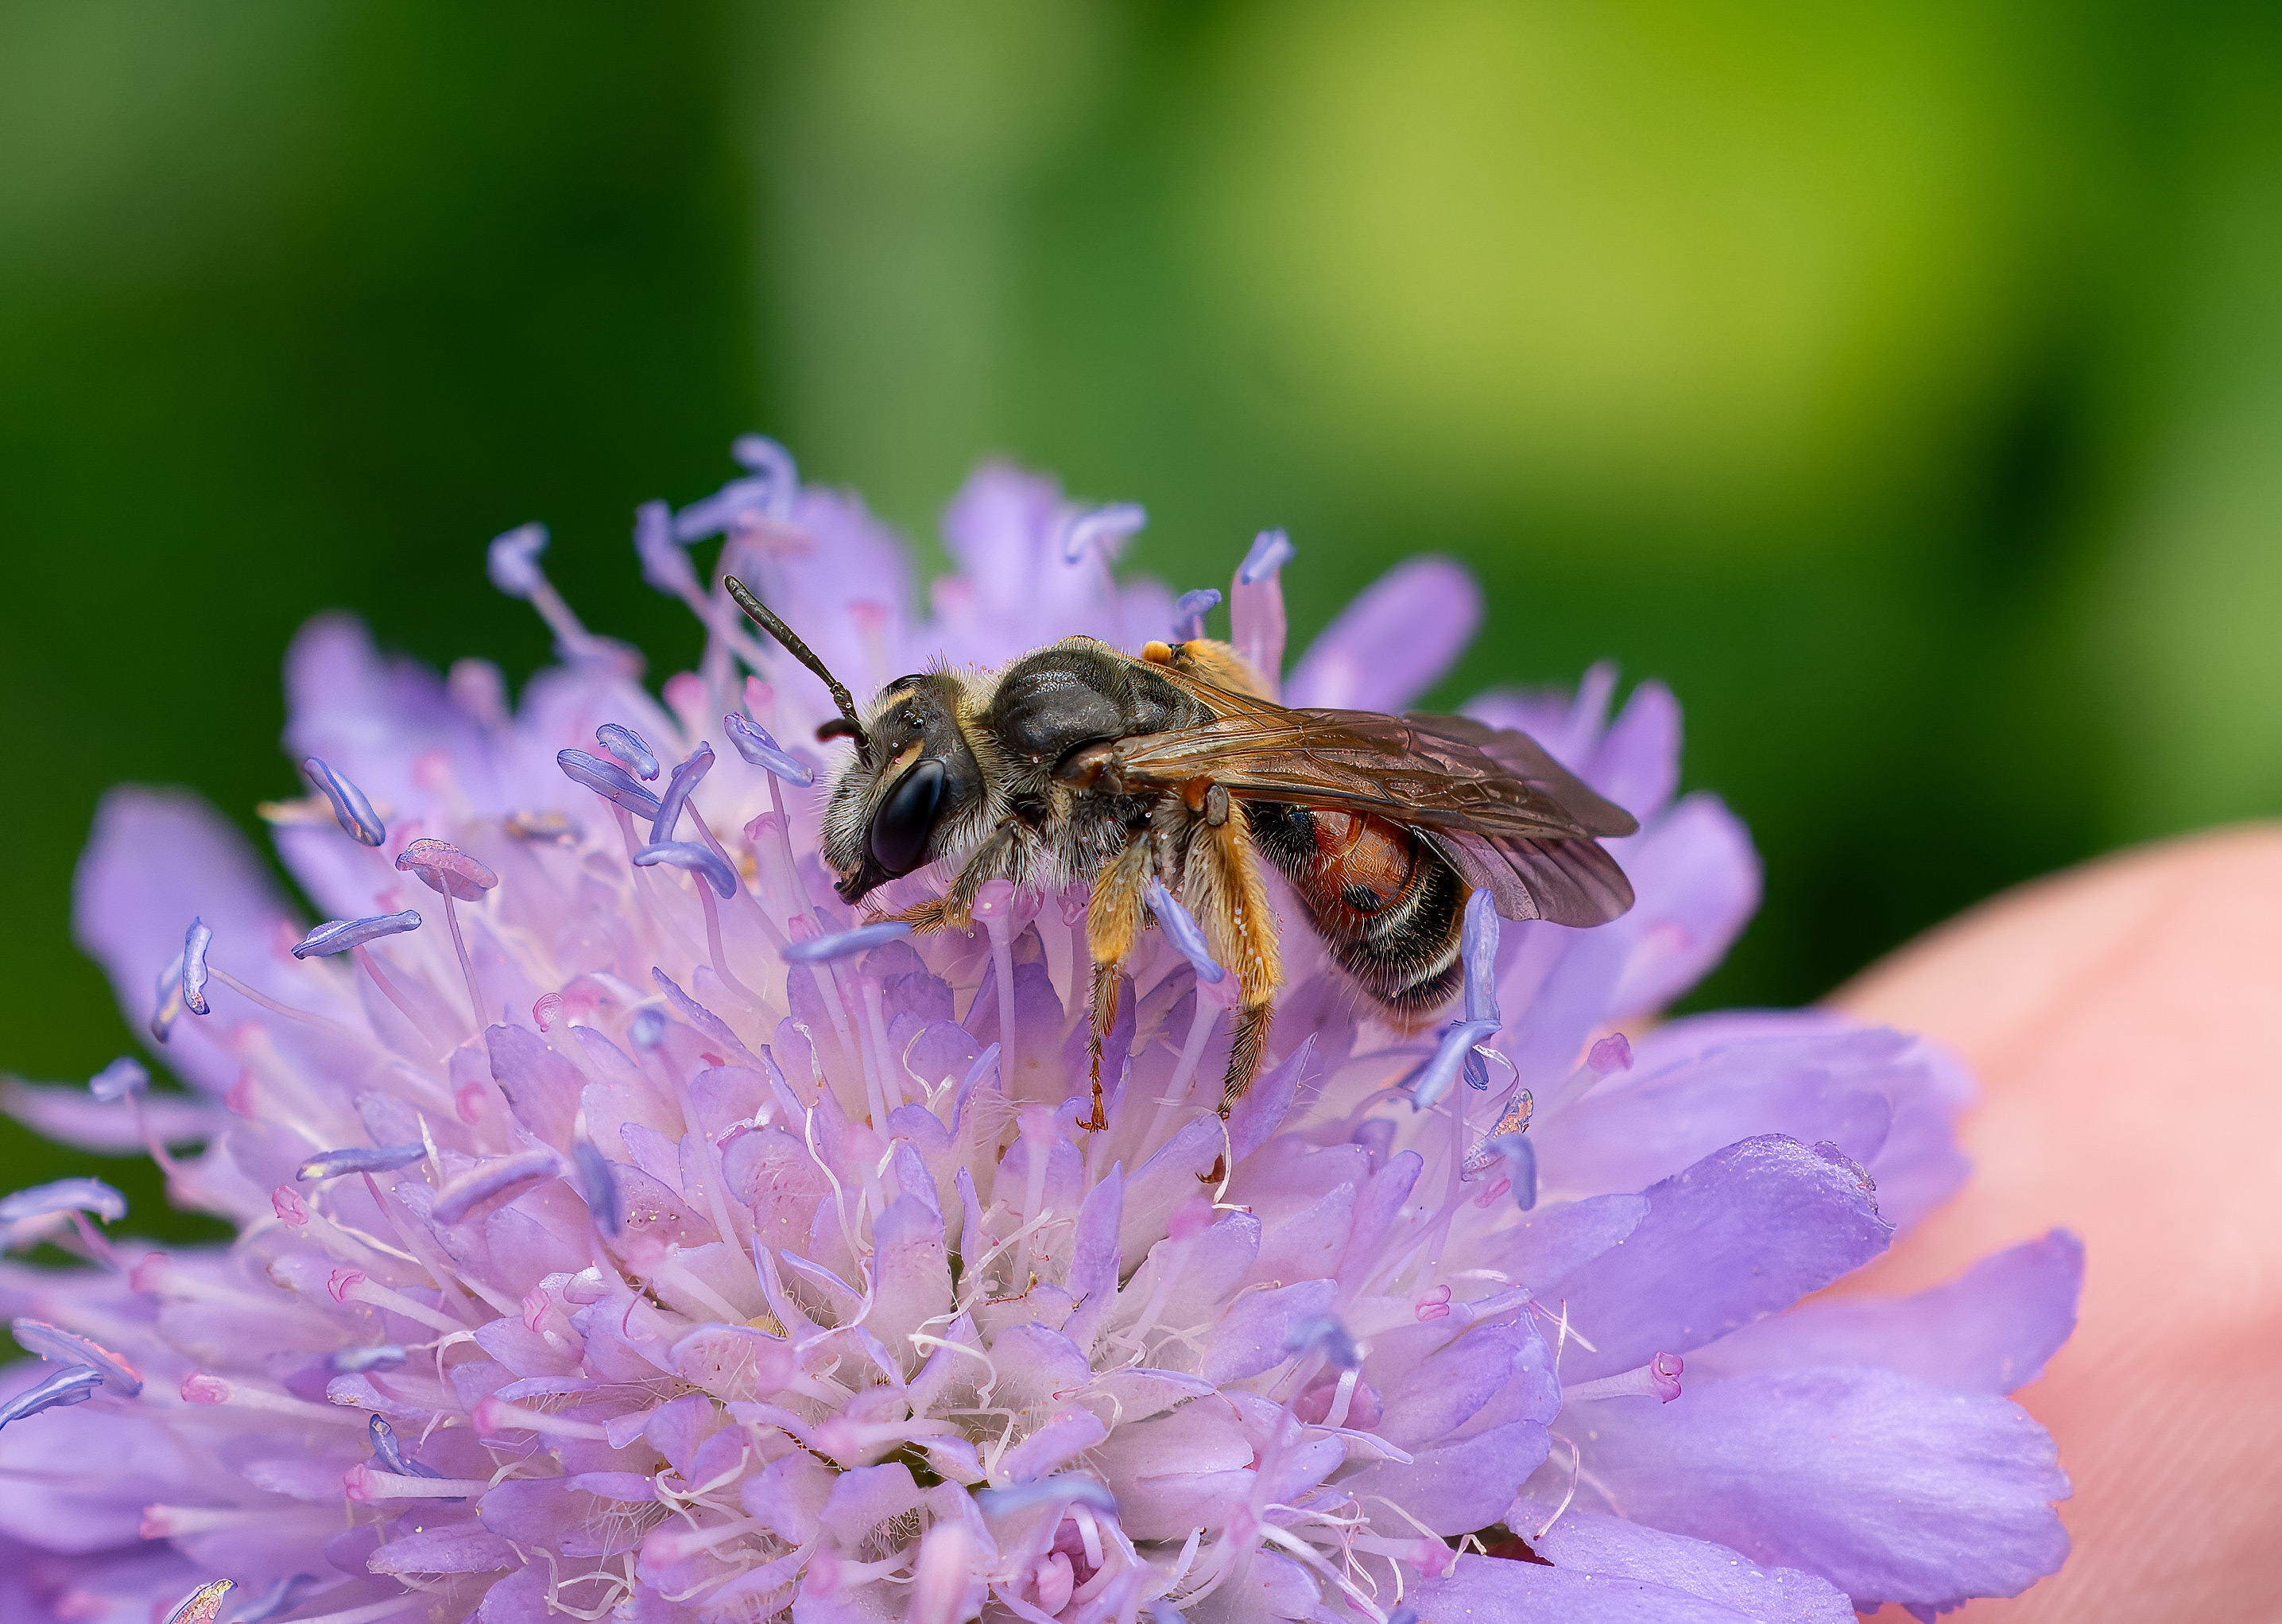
column 1112, row 918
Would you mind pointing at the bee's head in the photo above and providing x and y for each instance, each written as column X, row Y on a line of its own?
column 914, row 794
column 914, row 790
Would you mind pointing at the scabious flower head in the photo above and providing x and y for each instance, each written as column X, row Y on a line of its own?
column 626, row 1230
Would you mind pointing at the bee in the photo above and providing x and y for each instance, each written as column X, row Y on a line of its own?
column 1079, row 762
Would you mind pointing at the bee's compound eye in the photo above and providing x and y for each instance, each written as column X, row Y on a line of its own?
column 905, row 820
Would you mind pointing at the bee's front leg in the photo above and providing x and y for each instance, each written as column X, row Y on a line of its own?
column 1005, row 855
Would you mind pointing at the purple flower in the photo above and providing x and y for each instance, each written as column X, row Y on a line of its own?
column 658, row 1239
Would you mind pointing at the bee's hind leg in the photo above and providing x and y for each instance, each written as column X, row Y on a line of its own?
column 1112, row 918
column 1222, row 883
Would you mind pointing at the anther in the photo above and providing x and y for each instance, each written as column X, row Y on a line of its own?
column 629, row 747
column 88, row 1196
column 123, row 1077
column 1326, row 1336
column 600, row 1185
column 1271, row 550
column 1189, row 612
column 203, row 1605
column 69, row 1348
column 1107, row 525
column 167, row 1007
column 442, row 866
column 664, row 565
column 513, row 561
column 358, row 1159
column 608, row 780
column 686, row 778
column 463, row 1193
column 841, row 944
column 693, row 858
column 355, row 1361
column 72, row 1385
column 754, row 743
column 340, row 935
column 1478, row 946
column 351, row 810
column 195, row 942
column 1433, row 1079
column 1519, row 1155
column 1181, row 929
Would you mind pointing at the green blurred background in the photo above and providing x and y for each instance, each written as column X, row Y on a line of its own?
column 1902, row 384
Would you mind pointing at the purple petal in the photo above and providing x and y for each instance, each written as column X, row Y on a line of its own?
column 1493, row 1590
column 693, row 859
column 1256, row 1331
column 1456, row 1486
column 1637, row 763
column 1610, row 1546
column 1892, row 1489
column 1255, row 606
column 1393, row 642
column 1884, row 1098
column 1745, row 1232
column 1553, row 1241
column 608, row 780
column 457, row 1548
column 78, row 1119
column 155, row 859
column 542, row 1088
column 1695, row 879
column 1988, row 1330
column 351, row 810
column 339, row 935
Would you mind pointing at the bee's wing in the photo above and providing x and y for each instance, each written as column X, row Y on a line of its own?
column 1509, row 817
column 1568, row 881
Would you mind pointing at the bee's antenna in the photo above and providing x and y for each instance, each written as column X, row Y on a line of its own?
column 766, row 618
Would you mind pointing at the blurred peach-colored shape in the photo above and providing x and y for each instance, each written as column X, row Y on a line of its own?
column 2125, row 1019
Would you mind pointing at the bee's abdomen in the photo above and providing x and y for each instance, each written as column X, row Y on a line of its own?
column 1384, row 901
